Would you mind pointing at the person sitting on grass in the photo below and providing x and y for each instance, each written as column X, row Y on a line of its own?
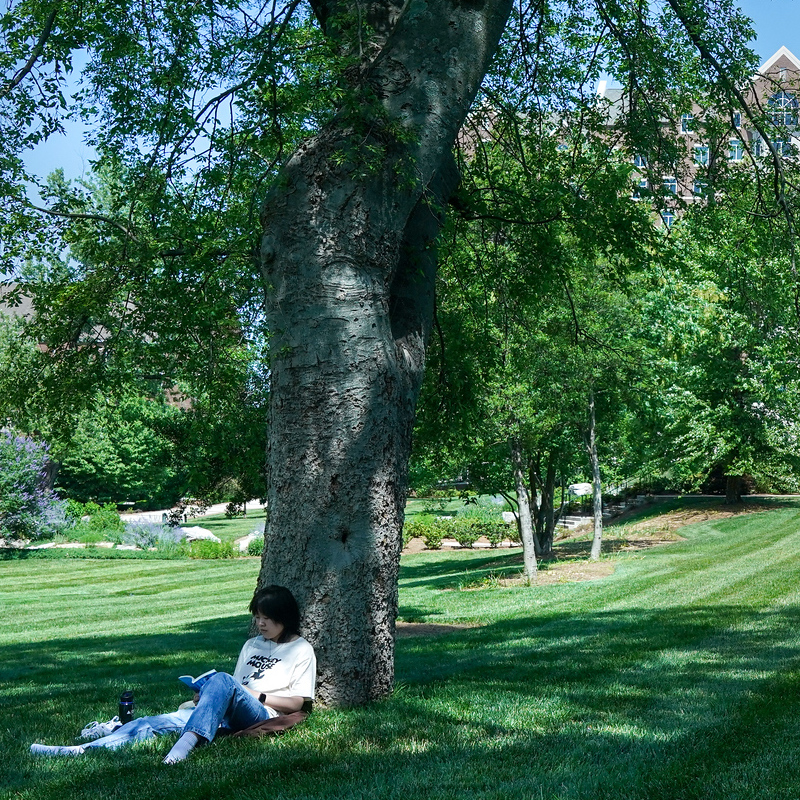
column 275, row 674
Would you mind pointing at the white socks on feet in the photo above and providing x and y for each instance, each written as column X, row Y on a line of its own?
column 55, row 750
column 182, row 748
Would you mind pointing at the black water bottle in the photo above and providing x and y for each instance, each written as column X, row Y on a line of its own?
column 126, row 707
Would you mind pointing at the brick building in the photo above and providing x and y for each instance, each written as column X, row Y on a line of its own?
column 710, row 141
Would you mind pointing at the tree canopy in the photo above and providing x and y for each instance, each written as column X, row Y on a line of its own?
column 295, row 163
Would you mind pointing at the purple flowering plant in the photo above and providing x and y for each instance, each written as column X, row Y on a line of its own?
column 29, row 509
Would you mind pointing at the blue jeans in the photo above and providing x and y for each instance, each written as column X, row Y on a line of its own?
column 143, row 728
column 225, row 701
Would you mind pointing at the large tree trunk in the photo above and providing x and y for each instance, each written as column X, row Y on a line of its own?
column 597, row 490
column 349, row 266
column 526, row 531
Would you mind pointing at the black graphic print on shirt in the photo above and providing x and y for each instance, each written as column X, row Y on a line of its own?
column 260, row 665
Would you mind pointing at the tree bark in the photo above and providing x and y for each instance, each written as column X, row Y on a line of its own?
column 546, row 522
column 526, row 531
column 597, row 490
column 349, row 262
column 533, row 502
column 733, row 489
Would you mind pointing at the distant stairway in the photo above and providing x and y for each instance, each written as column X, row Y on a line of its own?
column 572, row 521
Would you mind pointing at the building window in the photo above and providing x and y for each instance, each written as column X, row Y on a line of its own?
column 687, row 123
column 783, row 147
column 668, row 217
column 639, row 161
column 701, row 154
column 737, row 119
column 637, row 190
column 756, row 146
column 783, row 108
column 671, row 185
column 736, row 151
column 700, row 188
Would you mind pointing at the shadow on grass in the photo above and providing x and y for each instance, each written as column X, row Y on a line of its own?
column 696, row 702
column 440, row 573
column 576, row 550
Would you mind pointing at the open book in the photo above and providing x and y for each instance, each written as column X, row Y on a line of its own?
column 198, row 682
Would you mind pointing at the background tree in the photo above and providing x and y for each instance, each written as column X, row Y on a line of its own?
column 533, row 301
column 722, row 320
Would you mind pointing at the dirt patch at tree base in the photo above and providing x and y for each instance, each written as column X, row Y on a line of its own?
column 566, row 572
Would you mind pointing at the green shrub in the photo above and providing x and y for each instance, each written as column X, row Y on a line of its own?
column 206, row 549
column 433, row 534
column 423, row 527
column 91, row 522
column 234, row 509
column 433, row 538
column 465, row 531
column 106, row 518
column 256, row 546
column 74, row 511
column 413, row 529
column 496, row 532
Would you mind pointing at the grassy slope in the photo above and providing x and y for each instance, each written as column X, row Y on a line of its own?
column 675, row 678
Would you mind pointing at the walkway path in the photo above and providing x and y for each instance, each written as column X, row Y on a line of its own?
column 158, row 516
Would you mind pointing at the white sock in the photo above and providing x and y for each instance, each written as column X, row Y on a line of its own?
column 55, row 750
column 182, row 748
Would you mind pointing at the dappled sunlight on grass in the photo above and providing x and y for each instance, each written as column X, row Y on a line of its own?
column 677, row 677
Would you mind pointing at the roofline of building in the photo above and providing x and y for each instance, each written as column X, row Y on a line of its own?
column 784, row 51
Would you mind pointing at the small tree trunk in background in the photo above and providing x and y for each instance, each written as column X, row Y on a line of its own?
column 534, row 483
column 733, row 489
column 547, row 509
column 525, row 520
column 597, row 491
column 51, row 469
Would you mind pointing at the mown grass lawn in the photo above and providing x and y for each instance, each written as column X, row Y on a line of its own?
column 676, row 677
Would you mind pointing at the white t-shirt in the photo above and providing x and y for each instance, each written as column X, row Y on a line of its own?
column 288, row 669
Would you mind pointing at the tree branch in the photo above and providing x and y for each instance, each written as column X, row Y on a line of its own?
column 37, row 51
column 495, row 218
column 96, row 217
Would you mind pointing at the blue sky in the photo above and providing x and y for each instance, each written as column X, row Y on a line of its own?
column 777, row 24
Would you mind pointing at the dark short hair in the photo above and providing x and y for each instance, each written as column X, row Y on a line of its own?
column 278, row 603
